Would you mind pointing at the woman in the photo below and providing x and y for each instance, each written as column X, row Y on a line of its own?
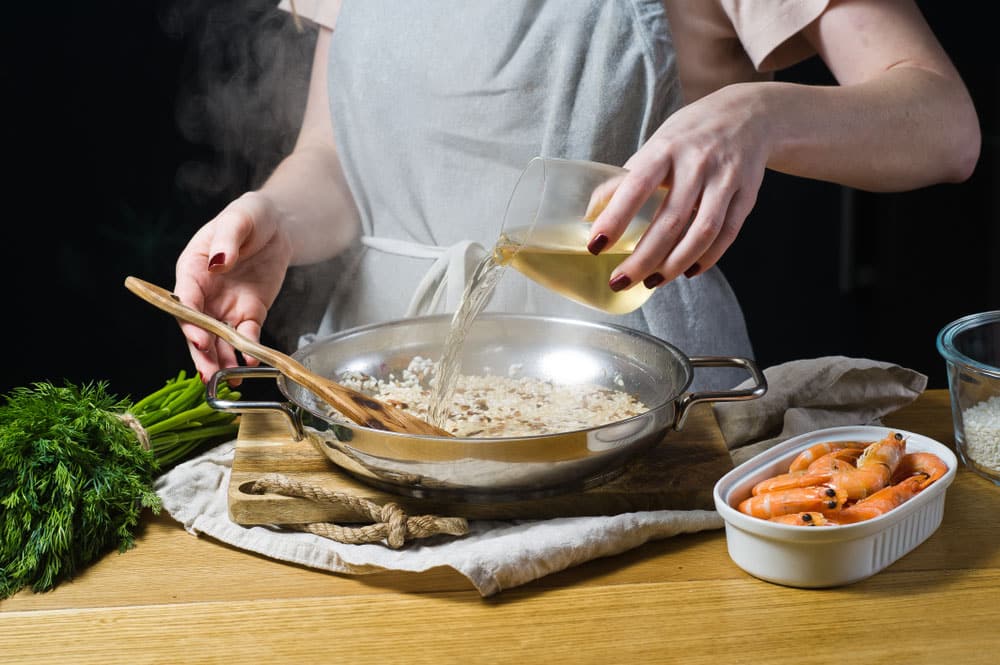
column 420, row 117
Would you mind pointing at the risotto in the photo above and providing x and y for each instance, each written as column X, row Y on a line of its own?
column 501, row 406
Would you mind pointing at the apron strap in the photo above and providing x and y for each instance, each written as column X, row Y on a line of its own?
column 446, row 277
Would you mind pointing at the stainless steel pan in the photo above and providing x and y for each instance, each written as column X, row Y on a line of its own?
column 492, row 469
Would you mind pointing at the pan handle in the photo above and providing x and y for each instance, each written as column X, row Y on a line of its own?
column 247, row 406
column 758, row 388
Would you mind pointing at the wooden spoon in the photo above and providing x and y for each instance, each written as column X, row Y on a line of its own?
column 357, row 406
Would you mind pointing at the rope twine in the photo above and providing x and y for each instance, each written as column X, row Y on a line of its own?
column 390, row 523
column 136, row 426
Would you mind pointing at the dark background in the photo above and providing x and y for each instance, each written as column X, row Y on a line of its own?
column 129, row 124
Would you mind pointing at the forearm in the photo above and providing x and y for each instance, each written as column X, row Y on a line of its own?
column 308, row 193
column 905, row 129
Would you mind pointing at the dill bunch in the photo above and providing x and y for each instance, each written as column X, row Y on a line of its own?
column 74, row 477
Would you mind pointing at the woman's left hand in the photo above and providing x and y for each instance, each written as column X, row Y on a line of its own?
column 711, row 156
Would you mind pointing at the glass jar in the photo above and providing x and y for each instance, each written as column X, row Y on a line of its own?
column 971, row 350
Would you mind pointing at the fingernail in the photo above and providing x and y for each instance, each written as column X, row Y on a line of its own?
column 620, row 282
column 599, row 242
column 216, row 260
column 692, row 271
column 653, row 280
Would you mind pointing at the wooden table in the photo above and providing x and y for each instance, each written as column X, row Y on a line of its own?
column 179, row 599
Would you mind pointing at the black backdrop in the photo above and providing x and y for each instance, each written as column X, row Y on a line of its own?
column 129, row 124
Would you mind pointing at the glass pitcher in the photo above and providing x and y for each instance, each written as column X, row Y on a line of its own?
column 546, row 228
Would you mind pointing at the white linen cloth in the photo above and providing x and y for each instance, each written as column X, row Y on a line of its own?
column 496, row 555
column 807, row 395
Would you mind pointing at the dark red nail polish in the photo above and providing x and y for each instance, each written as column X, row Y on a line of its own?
column 216, row 260
column 620, row 282
column 692, row 271
column 653, row 280
column 599, row 242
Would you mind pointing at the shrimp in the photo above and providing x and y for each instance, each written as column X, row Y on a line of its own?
column 916, row 471
column 817, row 472
column 928, row 465
column 897, row 476
column 880, row 502
column 810, row 518
column 874, row 469
column 877, row 504
column 795, row 500
column 814, row 452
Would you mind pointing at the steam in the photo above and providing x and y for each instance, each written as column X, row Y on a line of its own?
column 241, row 96
column 242, row 91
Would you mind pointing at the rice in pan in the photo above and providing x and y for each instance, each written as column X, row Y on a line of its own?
column 501, row 406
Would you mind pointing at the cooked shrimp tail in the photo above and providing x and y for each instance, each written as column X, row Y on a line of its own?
column 928, row 465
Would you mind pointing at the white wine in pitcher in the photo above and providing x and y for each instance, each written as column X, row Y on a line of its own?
column 555, row 255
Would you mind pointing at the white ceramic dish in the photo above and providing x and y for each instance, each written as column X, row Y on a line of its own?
column 815, row 557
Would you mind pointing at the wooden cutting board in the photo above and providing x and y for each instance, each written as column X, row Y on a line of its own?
column 678, row 473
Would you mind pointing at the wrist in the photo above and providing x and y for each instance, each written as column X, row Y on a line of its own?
column 764, row 107
column 795, row 127
column 270, row 220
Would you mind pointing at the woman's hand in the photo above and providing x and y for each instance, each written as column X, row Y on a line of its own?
column 711, row 155
column 232, row 269
column 900, row 118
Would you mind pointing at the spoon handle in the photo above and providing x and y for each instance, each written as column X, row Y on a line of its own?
column 357, row 406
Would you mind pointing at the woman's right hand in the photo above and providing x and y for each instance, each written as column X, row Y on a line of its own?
column 232, row 269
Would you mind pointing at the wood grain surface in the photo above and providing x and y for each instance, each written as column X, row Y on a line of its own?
column 181, row 599
column 679, row 473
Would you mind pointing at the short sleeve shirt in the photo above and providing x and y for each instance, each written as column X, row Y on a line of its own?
column 768, row 30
